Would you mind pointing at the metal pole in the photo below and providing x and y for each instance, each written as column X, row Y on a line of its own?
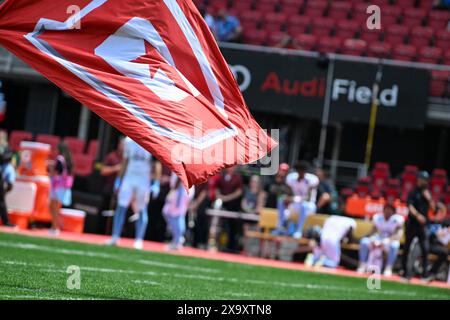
column 373, row 115
column 326, row 113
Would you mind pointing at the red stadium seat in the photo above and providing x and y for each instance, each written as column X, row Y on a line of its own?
column 83, row 164
column 316, row 8
column 438, row 183
column 390, row 15
column 305, row 42
column 413, row 16
column 265, row 6
column 438, row 19
column 443, row 39
column 409, row 179
column 447, row 58
column 355, row 47
column 251, row 16
column 340, row 10
column 329, row 44
column 421, row 36
column 75, row 145
column 242, row 5
column 274, row 21
column 347, row 29
column 346, row 192
column 439, row 83
column 52, row 140
column 405, row 3
column 379, row 50
column 218, row 5
column 371, row 36
column 255, row 37
column 291, row 7
column 383, row 166
column 396, row 34
column 392, row 191
column 92, row 148
column 17, row 136
column 322, row 26
column 363, row 186
column 430, row 55
column 297, row 24
column 404, row 52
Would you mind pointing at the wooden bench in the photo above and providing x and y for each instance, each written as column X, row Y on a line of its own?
column 268, row 220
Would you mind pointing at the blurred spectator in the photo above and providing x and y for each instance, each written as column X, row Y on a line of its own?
column 324, row 192
column 110, row 169
column 439, row 238
column 303, row 203
column 228, row 194
column 227, row 27
column 385, row 238
column 209, row 19
column 134, row 185
column 61, row 182
column 327, row 253
column 419, row 202
column 199, row 205
column 174, row 210
column 7, row 179
column 277, row 187
column 254, row 197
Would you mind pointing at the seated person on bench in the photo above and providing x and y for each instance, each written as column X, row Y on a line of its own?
column 302, row 203
column 384, row 239
column 439, row 238
column 327, row 253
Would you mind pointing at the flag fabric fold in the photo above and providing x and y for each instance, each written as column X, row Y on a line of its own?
column 151, row 69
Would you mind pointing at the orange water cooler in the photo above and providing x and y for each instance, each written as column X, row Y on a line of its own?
column 33, row 169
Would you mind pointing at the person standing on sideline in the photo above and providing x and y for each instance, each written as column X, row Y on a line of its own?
column 229, row 189
column 110, row 170
column 419, row 202
column 61, row 182
column 7, row 179
column 174, row 210
column 134, row 183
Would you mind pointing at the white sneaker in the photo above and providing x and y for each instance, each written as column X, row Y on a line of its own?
column 361, row 269
column 138, row 244
column 53, row 232
column 309, row 261
column 387, row 272
column 297, row 235
column 111, row 242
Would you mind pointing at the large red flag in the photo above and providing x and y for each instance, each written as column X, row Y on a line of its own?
column 151, row 68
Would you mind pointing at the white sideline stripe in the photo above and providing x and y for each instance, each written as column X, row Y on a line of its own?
column 148, row 282
column 29, row 246
column 177, row 266
column 309, row 286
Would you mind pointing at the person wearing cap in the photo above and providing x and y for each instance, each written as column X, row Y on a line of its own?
column 385, row 238
column 419, row 203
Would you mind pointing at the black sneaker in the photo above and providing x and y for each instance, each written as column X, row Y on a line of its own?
column 9, row 225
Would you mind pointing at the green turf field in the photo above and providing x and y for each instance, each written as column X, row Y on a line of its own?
column 33, row 268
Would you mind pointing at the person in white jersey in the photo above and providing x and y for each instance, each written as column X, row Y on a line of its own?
column 134, row 185
column 303, row 203
column 328, row 253
column 386, row 235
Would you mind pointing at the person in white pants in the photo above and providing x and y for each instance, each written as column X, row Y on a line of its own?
column 303, row 203
column 388, row 230
column 135, row 185
column 334, row 231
